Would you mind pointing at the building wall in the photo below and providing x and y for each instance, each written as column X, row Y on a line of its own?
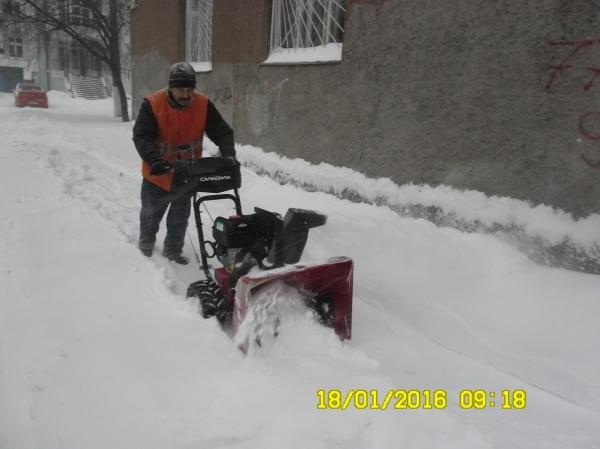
column 500, row 97
column 12, row 64
column 157, row 41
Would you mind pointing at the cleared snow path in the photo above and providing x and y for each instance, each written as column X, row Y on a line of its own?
column 99, row 347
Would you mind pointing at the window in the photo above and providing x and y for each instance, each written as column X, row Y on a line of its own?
column 15, row 47
column 63, row 55
column 73, row 58
column 75, row 13
column 304, row 31
column 62, row 10
column 198, row 37
column 76, row 59
column 80, row 14
column 32, row 88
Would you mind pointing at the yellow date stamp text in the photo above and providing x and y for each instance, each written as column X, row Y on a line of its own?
column 418, row 399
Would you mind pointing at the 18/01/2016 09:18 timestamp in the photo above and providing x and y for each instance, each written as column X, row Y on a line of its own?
column 419, row 399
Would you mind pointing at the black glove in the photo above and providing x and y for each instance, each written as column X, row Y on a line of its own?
column 183, row 172
column 237, row 163
column 160, row 167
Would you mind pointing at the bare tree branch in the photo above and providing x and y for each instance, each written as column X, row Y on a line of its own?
column 97, row 25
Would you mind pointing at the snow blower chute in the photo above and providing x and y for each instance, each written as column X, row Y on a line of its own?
column 259, row 249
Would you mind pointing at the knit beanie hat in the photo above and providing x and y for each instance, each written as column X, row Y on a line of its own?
column 182, row 74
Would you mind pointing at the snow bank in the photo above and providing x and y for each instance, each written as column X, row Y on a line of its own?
column 320, row 54
column 547, row 235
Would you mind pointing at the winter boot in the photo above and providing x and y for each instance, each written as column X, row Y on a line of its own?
column 146, row 251
column 177, row 258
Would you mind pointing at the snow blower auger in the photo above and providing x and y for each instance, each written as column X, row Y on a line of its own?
column 260, row 249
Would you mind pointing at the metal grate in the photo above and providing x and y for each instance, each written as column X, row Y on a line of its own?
column 199, row 33
column 307, row 23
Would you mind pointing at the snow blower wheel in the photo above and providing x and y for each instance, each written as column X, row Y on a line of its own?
column 212, row 300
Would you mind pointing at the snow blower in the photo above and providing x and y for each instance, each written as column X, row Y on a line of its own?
column 260, row 249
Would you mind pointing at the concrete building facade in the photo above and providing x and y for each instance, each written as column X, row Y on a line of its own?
column 500, row 97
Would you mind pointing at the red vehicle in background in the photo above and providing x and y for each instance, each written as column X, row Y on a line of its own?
column 29, row 94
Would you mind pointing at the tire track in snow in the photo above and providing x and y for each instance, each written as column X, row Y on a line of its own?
column 91, row 179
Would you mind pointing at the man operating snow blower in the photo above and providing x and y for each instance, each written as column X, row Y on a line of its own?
column 258, row 251
column 169, row 130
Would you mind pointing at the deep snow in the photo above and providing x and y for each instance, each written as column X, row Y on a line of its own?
column 99, row 348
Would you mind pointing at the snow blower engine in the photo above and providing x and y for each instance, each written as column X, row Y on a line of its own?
column 259, row 249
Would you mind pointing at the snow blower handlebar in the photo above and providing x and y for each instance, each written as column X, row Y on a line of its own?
column 215, row 174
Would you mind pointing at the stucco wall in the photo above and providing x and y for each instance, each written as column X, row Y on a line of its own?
column 499, row 96
column 454, row 92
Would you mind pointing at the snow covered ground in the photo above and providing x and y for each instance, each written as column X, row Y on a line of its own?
column 99, row 348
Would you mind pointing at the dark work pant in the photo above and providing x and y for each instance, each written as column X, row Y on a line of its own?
column 155, row 202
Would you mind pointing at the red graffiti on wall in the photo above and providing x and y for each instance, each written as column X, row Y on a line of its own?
column 589, row 134
column 565, row 64
column 597, row 72
column 582, row 127
column 593, row 164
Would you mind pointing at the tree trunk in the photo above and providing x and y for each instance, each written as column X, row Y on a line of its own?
column 118, row 83
column 115, row 58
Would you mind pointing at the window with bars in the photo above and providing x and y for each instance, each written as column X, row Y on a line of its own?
column 198, row 40
column 307, row 31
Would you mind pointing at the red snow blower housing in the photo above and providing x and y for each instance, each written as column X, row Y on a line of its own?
column 259, row 249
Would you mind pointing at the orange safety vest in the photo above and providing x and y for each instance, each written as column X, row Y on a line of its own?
column 177, row 128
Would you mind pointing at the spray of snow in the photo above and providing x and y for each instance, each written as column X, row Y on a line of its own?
column 278, row 310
